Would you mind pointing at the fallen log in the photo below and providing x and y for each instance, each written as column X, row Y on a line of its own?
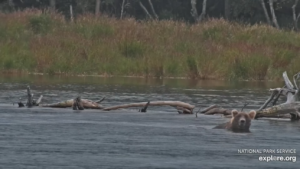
column 218, row 111
column 215, row 109
column 209, row 108
column 206, row 109
column 281, row 116
column 289, row 109
column 280, row 110
column 87, row 104
column 154, row 103
column 182, row 110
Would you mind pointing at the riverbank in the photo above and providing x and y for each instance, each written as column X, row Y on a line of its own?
column 33, row 42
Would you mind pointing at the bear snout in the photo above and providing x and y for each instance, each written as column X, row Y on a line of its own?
column 242, row 122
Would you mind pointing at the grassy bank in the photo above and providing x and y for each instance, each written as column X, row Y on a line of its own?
column 34, row 42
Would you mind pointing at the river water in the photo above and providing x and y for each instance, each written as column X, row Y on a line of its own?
column 161, row 138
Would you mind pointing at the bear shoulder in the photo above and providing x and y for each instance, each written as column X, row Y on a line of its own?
column 222, row 126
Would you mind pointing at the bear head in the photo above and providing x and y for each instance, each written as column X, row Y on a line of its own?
column 241, row 121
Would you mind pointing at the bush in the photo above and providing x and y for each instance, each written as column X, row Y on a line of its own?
column 40, row 24
column 132, row 49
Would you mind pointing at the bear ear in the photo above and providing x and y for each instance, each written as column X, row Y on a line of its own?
column 252, row 114
column 234, row 112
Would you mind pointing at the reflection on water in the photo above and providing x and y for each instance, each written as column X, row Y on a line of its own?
column 160, row 138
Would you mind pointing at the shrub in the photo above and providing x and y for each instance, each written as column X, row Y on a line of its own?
column 40, row 24
column 132, row 49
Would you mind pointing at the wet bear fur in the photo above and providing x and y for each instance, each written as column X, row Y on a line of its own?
column 240, row 121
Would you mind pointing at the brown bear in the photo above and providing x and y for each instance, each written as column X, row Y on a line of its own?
column 240, row 121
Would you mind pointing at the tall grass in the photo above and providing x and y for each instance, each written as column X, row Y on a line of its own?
column 35, row 41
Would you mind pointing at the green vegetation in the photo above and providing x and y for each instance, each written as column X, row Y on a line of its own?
column 32, row 41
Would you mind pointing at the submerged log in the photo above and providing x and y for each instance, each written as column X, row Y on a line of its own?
column 87, row 104
column 154, row 103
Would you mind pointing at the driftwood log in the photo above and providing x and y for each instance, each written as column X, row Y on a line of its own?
column 181, row 107
column 81, row 104
column 87, row 104
column 289, row 109
column 30, row 101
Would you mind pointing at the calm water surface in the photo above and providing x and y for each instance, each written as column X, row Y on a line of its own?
column 161, row 138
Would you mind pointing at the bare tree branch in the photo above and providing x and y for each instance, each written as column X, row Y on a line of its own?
column 194, row 10
column 203, row 13
column 295, row 18
column 265, row 11
column 97, row 8
column 122, row 9
column 153, row 10
column 145, row 10
column 274, row 93
column 71, row 14
column 287, row 81
column 195, row 13
column 271, row 2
